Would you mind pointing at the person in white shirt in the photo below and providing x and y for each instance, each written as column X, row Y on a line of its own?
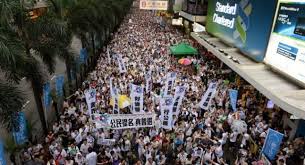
column 150, row 162
column 91, row 158
column 79, row 159
column 84, row 147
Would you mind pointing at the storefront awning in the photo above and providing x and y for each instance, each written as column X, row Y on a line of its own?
column 284, row 93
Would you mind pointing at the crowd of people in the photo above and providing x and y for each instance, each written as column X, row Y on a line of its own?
column 197, row 137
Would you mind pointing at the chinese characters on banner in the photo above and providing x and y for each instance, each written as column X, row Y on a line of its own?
column 59, row 85
column 166, row 104
column 115, row 97
column 148, row 81
column 153, row 5
column 170, row 82
column 233, row 99
column 90, row 99
column 46, row 95
column 121, row 64
column 208, row 96
column 102, row 120
column 179, row 95
column 272, row 144
column 129, row 121
column 137, row 98
column 21, row 135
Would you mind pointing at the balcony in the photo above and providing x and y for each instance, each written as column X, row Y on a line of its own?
column 195, row 7
column 194, row 10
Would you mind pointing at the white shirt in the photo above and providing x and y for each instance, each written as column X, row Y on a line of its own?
column 91, row 158
column 84, row 148
column 233, row 137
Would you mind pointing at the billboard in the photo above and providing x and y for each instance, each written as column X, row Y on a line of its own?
column 286, row 49
column 153, row 5
column 242, row 23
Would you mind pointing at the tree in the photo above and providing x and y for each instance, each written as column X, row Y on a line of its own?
column 11, row 103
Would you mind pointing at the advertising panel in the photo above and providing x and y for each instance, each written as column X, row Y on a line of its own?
column 245, row 24
column 286, row 49
column 153, row 5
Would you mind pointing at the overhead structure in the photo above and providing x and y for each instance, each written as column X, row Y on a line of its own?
column 183, row 49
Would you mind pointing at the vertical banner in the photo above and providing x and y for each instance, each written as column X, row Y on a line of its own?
column 2, row 156
column 46, row 95
column 233, row 99
column 108, row 55
column 148, row 81
column 137, row 98
column 83, row 55
column 116, row 108
column 208, row 96
column 20, row 134
column 90, row 99
column 121, row 64
column 170, row 82
column 179, row 95
column 166, row 106
column 111, row 88
column 59, row 85
column 272, row 143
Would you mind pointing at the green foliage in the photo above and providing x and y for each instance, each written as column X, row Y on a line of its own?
column 11, row 103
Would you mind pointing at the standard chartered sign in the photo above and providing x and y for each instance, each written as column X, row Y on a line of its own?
column 225, row 9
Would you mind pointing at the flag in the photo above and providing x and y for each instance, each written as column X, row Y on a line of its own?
column 208, row 96
column 272, row 143
column 46, row 95
column 21, row 135
column 233, row 98
column 59, row 85
column 2, row 156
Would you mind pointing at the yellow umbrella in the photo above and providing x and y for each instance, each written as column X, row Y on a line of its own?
column 124, row 101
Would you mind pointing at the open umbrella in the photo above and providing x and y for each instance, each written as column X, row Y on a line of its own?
column 184, row 61
column 124, row 101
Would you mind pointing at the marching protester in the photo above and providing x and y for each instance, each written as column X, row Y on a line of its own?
column 188, row 115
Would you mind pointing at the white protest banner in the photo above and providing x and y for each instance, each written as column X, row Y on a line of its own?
column 179, row 95
column 170, row 82
column 121, row 64
column 166, row 106
column 208, row 96
column 153, row 5
column 108, row 55
column 111, row 87
column 137, row 98
column 106, row 142
column 148, row 81
column 125, row 121
column 102, row 120
column 90, row 99
column 115, row 97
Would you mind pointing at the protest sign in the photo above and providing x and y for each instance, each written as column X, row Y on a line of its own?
column 233, row 99
column 124, row 121
column 137, row 98
column 208, row 96
column 179, row 95
column 166, row 104
column 90, row 99
column 170, row 82
column 272, row 143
